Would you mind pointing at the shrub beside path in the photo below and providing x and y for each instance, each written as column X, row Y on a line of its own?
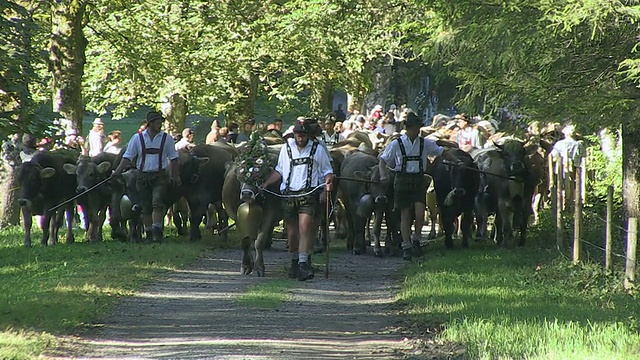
column 191, row 314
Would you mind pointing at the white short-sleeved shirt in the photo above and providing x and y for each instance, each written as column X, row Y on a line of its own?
column 182, row 144
column 469, row 136
column 95, row 140
column 392, row 155
column 134, row 151
column 321, row 166
column 568, row 148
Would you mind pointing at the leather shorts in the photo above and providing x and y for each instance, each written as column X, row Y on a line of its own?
column 294, row 206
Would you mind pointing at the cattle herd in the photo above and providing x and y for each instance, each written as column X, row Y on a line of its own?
column 501, row 180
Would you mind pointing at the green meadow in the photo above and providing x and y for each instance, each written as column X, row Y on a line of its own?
column 524, row 303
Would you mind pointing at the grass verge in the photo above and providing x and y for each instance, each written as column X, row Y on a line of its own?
column 269, row 295
column 523, row 303
column 62, row 289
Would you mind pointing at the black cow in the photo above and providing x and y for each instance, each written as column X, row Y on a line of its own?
column 385, row 209
column 361, row 199
column 498, row 194
column 456, row 187
column 89, row 172
column 44, row 185
column 202, row 175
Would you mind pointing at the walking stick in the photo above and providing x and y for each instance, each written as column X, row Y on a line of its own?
column 326, row 231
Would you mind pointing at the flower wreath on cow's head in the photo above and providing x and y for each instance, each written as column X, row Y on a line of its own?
column 253, row 162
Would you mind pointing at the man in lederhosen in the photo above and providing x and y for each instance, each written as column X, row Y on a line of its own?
column 302, row 166
column 152, row 150
column 407, row 158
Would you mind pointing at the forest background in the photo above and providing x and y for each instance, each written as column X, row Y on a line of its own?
column 548, row 61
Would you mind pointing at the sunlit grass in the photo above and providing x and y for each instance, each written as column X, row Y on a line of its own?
column 21, row 344
column 522, row 303
column 269, row 295
column 46, row 291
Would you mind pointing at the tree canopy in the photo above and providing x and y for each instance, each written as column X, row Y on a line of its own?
column 551, row 60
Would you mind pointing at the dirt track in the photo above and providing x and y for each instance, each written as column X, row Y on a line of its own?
column 191, row 314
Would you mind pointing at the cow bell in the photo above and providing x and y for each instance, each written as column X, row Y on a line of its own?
column 249, row 219
column 365, row 206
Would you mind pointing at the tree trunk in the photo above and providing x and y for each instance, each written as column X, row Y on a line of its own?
column 9, row 192
column 381, row 87
column 9, row 209
column 244, row 108
column 322, row 98
column 355, row 100
column 631, row 170
column 67, row 58
column 175, row 113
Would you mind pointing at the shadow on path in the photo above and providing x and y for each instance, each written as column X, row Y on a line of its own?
column 191, row 314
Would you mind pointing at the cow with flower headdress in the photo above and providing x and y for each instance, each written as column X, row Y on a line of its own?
column 256, row 212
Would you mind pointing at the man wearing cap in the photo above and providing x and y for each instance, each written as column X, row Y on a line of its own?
column 187, row 140
column 303, row 167
column 152, row 150
column 407, row 157
column 95, row 140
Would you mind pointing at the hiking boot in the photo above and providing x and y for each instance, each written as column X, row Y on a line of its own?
column 305, row 271
column 406, row 254
column 293, row 270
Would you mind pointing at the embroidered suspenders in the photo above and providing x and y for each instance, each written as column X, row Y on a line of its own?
column 406, row 158
column 301, row 161
column 152, row 151
column 330, row 140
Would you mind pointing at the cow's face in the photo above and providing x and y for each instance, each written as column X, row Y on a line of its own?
column 463, row 178
column 31, row 178
column 87, row 173
column 190, row 166
column 379, row 189
column 513, row 153
column 248, row 192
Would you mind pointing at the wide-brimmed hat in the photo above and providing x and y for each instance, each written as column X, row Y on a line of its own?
column 413, row 120
column 300, row 128
column 470, row 120
column 153, row 116
column 97, row 121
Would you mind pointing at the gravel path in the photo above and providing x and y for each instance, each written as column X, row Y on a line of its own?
column 191, row 314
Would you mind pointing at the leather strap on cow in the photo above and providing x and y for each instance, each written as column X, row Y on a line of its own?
column 151, row 151
column 301, row 161
column 406, row 159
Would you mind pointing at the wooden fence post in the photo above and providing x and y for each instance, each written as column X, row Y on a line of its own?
column 609, row 229
column 583, row 190
column 632, row 241
column 559, row 203
column 577, row 217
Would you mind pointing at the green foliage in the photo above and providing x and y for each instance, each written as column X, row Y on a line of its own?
column 604, row 171
column 22, row 82
column 211, row 52
column 546, row 58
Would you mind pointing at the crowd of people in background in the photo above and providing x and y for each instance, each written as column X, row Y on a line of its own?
column 467, row 132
